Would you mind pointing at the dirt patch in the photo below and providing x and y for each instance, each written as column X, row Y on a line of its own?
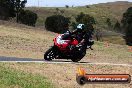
column 24, row 42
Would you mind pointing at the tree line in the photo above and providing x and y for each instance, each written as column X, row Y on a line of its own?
column 125, row 26
column 56, row 23
column 15, row 9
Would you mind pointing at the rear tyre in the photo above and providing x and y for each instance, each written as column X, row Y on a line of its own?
column 49, row 54
column 78, row 57
column 75, row 60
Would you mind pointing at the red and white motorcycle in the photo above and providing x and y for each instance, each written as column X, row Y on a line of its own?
column 61, row 50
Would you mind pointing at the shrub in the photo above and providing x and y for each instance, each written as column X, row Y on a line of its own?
column 6, row 9
column 85, row 19
column 87, row 6
column 56, row 23
column 28, row 17
column 109, row 23
column 127, row 25
column 67, row 6
column 117, row 27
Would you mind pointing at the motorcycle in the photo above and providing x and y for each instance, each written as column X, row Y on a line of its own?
column 61, row 50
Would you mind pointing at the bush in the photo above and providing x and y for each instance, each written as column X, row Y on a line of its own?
column 127, row 24
column 56, row 23
column 117, row 27
column 27, row 17
column 6, row 9
column 4, row 13
column 109, row 23
column 85, row 19
column 67, row 6
column 87, row 6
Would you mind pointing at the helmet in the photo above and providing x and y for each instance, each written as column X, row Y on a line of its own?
column 80, row 27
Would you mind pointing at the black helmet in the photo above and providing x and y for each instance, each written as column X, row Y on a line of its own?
column 80, row 27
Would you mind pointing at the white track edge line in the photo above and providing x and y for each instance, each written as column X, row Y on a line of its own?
column 69, row 63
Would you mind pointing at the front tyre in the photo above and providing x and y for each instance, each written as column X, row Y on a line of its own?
column 49, row 54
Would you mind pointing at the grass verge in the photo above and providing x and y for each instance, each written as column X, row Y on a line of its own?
column 11, row 78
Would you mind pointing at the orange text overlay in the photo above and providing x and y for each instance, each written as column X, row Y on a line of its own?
column 83, row 77
column 107, row 78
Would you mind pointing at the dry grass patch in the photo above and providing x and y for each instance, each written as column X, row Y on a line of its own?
column 111, row 54
column 23, row 42
column 27, row 42
column 64, row 75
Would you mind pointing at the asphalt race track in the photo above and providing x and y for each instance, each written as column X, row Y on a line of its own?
column 2, row 58
column 29, row 60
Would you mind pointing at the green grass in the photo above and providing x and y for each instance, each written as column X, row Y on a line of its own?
column 10, row 78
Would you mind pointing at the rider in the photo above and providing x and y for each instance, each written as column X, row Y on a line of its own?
column 82, row 35
column 78, row 30
column 79, row 33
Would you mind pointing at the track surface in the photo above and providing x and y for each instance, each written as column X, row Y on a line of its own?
column 14, row 59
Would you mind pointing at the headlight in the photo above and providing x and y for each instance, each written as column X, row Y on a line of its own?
column 59, row 41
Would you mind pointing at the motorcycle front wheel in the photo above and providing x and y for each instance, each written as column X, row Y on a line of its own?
column 49, row 54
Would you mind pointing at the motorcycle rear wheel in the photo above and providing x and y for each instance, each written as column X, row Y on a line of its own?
column 78, row 57
column 76, row 60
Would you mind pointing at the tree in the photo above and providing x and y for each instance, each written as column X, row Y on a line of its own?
column 108, row 21
column 66, row 6
column 127, row 25
column 27, row 17
column 11, row 8
column 56, row 23
column 7, row 9
column 117, row 27
column 87, row 6
column 85, row 19
column 19, row 5
column 14, row 8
